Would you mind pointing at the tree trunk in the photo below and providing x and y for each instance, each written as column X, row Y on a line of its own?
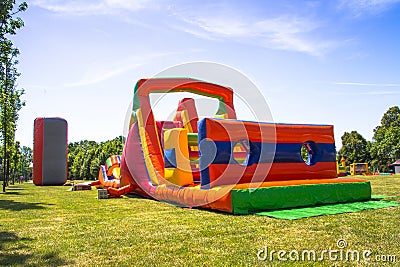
column 4, row 157
column 8, row 172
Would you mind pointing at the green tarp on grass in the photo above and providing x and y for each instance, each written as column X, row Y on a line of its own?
column 298, row 213
column 251, row 200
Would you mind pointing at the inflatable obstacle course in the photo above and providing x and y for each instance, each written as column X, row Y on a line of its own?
column 359, row 169
column 341, row 168
column 223, row 163
column 109, row 173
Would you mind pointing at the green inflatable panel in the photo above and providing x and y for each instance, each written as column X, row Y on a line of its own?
column 249, row 200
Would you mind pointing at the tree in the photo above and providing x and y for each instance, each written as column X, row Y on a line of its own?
column 26, row 161
column 85, row 157
column 354, row 148
column 76, row 156
column 385, row 148
column 10, row 96
column 15, row 162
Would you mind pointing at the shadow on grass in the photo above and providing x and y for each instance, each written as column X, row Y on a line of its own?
column 13, row 190
column 18, row 206
column 132, row 195
column 7, row 237
column 11, row 255
column 52, row 259
column 12, row 193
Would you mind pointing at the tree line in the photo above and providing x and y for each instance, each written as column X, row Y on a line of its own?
column 384, row 148
column 85, row 157
column 20, row 162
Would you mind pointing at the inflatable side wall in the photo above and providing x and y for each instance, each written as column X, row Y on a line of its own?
column 273, row 152
column 50, row 151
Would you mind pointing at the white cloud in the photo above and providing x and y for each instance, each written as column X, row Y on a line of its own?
column 215, row 22
column 91, row 78
column 367, row 93
column 369, row 84
column 128, row 5
column 196, row 32
column 92, row 7
column 99, row 73
column 283, row 32
column 371, row 89
column 382, row 93
column 360, row 7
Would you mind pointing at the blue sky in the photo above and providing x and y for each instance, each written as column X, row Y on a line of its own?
column 322, row 62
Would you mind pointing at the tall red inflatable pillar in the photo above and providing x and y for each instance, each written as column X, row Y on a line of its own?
column 50, row 151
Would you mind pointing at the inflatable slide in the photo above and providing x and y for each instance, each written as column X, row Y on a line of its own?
column 223, row 163
column 109, row 173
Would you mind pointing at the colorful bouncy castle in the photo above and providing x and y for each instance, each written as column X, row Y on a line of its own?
column 109, row 173
column 224, row 163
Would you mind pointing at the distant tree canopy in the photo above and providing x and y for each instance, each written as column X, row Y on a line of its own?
column 354, row 148
column 85, row 157
column 20, row 162
column 384, row 148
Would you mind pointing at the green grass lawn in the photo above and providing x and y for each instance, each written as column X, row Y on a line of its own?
column 49, row 226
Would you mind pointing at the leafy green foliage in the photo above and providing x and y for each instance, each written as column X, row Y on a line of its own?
column 354, row 148
column 10, row 96
column 9, row 25
column 304, row 153
column 85, row 157
column 20, row 161
column 26, row 160
column 385, row 148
